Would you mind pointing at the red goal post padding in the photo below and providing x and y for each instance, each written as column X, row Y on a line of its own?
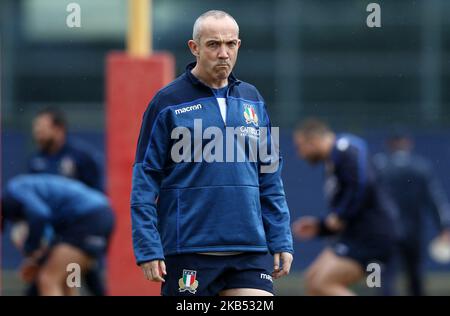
column 131, row 83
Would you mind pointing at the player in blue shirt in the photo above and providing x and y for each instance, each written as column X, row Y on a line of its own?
column 68, row 223
column 358, row 218
column 59, row 155
column 414, row 188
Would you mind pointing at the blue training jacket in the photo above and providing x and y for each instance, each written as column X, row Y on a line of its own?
column 353, row 193
column 51, row 201
column 191, row 207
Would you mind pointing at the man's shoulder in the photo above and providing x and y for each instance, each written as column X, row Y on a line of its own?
column 249, row 92
column 413, row 160
column 80, row 148
column 178, row 84
column 347, row 141
column 420, row 163
column 247, row 86
column 181, row 90
column 349, row 149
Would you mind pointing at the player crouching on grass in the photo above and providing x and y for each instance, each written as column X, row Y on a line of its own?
column 68, row 222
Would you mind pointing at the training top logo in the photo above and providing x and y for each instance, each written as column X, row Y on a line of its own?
column 188, row 109
column 250, row 114
column 67, row 167
column 188, row 281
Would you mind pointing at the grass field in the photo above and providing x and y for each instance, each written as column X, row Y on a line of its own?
column 437, row 283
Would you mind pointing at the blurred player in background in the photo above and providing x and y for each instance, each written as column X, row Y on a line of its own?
column 358, row 218
column 214, row 223
column 70, row 158
column 413, row 187
column 68, row 222
column 59, row 155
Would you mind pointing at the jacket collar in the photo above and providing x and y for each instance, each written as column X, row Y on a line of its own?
column 231, row 78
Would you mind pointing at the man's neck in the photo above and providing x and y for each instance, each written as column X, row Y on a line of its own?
column 215, row 84
column 57, row 146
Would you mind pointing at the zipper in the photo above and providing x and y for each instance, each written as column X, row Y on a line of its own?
column 230, row 85
column 218, row 109
column 226, row 99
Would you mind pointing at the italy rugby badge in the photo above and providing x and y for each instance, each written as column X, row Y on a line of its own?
column 250, row 115
column 188, row 281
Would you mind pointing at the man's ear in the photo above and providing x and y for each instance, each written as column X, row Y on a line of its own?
column 193, row 46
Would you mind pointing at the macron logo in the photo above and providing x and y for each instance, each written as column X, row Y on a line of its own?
column 266, row 277
column 188, row 109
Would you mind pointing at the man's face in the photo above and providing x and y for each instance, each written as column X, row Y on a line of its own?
column 218, row 47
column 44, row 132
column 400, row 144
column 309, row 147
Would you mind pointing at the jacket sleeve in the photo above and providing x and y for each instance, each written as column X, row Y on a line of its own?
column 151, row 157
column 274, row 208
column 37, row 215
column 353, row 164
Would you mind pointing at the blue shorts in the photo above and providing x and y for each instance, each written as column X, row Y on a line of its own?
column 208, row 275
column 90, row 233
column 363, row 252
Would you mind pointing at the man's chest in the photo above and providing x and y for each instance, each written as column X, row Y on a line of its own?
column 207, row 114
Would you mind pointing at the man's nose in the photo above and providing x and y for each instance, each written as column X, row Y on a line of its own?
column 223, row 52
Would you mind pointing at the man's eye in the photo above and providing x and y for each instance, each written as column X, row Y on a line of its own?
column 232, row 44
column 212, row 44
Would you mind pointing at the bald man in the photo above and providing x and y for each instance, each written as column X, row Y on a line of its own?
column 201, row 225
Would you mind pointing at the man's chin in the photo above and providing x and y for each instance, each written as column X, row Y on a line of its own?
column 45, row 147
column 222, row 75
